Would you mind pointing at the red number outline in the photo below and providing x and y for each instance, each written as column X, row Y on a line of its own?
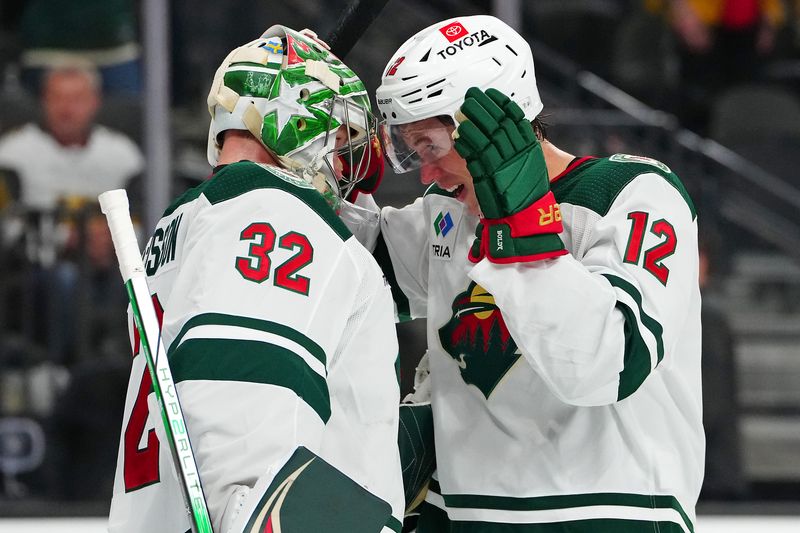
column 140, row 466
column 633, row 250
column 258, row 251
column 655, row 255
column 286, row 274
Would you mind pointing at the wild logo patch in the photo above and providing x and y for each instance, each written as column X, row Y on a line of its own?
column 477, row 338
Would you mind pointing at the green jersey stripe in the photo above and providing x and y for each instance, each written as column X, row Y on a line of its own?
column 394, row 524
column 637, row 355
column 596, row 525
column 251, row 362
column 238, row 178
column 235, row 179
column 381, row 255
column 647, row 321
column 433, row 519
column 247, row 334
column 220, row 319
column 567, row 501
column 595, row 184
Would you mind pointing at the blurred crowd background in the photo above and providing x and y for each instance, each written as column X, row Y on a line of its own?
column 709, row 87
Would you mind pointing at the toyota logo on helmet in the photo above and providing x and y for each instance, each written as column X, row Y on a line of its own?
column 453, row 31
column 482, row 52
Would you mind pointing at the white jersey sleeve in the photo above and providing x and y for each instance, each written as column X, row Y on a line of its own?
column 596, row 323
column 404, row 233
column 279, row 331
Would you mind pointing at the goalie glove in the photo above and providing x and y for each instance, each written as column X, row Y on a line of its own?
column 520, row 219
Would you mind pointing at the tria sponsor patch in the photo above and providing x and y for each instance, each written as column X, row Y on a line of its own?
column 443, row 224
column 442, row 251
column 454, row 31
column 443, row 233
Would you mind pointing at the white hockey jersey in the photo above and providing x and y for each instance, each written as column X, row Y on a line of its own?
column 566, row 393
column 280, row 333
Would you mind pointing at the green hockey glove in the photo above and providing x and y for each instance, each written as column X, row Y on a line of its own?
column 520, row 217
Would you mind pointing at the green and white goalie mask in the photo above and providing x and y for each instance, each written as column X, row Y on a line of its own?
column 294, row 95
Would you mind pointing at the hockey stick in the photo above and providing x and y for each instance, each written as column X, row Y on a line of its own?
column 352, row 23
column 114, row 205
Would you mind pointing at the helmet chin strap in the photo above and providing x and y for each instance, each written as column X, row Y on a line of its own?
column 310, row 173
column 312, row 168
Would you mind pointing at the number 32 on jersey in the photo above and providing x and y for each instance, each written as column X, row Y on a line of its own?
column 257, row 265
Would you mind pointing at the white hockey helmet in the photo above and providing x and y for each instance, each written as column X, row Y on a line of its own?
column 293, row 95
column 430, row 73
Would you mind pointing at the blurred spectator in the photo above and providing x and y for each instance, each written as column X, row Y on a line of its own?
column 68, row 155
column 720, row 43
column 724, row 478
column 102, row 32
column 63, row 165
column 91, row 287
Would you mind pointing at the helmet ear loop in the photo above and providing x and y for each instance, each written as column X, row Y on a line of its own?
column 333, row 153
column 348, row 181
column 358, row 172
column 370, row 124
column 329, row 161
column 312, row 169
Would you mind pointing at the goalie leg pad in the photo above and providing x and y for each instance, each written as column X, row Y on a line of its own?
column 417, row 451
column 309, row 495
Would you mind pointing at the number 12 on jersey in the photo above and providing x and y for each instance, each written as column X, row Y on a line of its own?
column 653, row 257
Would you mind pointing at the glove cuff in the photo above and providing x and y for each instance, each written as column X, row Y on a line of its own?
column 542, row 216
column 529, row 235
column 502, row 248
column 527, row 252
column 478, row 249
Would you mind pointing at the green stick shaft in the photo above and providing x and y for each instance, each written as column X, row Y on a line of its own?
column 115, row 206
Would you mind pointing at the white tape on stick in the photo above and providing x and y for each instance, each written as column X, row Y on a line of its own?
column 114, row 205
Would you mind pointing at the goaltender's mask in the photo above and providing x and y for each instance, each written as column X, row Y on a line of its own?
column 293, row 95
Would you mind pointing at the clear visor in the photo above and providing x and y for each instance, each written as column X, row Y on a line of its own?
column 410, row 146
